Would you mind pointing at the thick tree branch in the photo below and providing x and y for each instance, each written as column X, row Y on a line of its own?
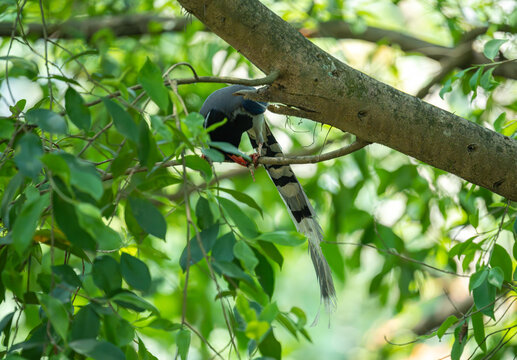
column 333, row 93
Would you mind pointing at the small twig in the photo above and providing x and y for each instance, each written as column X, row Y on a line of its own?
column 312, row 159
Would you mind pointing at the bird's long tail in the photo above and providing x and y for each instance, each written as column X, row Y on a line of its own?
column 302, row 214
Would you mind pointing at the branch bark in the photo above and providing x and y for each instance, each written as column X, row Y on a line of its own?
column 331, row 92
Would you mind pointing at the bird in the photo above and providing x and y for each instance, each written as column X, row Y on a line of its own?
column 244, row 115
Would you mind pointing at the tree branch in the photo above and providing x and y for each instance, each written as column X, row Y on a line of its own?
column 333, row 93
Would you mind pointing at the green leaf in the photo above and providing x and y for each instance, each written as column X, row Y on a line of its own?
column 97, row 349
column 150, row 77
column 244, row 223
column 66, row 218
column 56, row 313
column 28, row 150
column 85, row 324
column 243, row 198
column 84, row 176
column 496, row 277
column 90, row 220
column 57, row 165
column 122, row 120
column 135, row 272
column 132, row 301
column 148, row 217
column 478, row 278
column 484, row 297
column 208, row 237
column 232, row 270
column 78, row 113
column 270, row 346
column 212, row 154
column 265, row 274
column 451, row 320
column 67, row 274
column 118, row 330
column 7, row 128
column 183, row 343
column 194, row 162
column 17, row 108
column 228, row 148
column 491, row 48
column 223, row 247
column 47, row 121
column 474, row 80
column 499, row 122
column 106, row 274
column 27, row 222
column 271, row 251
column 460, row 340
column 244, row 253
column 447, row 87
column 285, row 238
column 487, row 81
column 204, row 215
column 256, row 329
column 269, row 312
column 144, row 145
column 474, row 219
column 479, row 328
column 501, row 258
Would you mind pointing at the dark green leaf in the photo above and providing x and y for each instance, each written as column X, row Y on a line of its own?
column 183, row 343
column 117, row 330
column 78, row 113
column 479, row 328
column 150, row 77
column 148, row 217
column 270, row 346
column 106, row 274
column 27, row 221
column 271, row 251
column 447, row 87
column 132, row 301
column 243, row 198
column 245, row 254
column 144, row 145
column 499, row 122
column 244, row 223
column 212, row 154
column 484, row 297
column 265, row 274
column 208, row 237
column 491, row 48
column 97, row 349
column 90, row 220
column 204, row 215
column 67, row 274
column 474, row 80
column 47, row 120
column 56, row 313
column 451, row 320
column 232, row 270
column 223, row 248
column 135, row 272
column 68, row 221
column 501, row 258
column 86, row 324
column 27, row 153
column 122, row 120
column 487, row 81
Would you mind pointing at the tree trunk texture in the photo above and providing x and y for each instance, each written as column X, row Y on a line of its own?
column 330, row 92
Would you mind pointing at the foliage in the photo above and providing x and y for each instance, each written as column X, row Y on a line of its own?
column 117, row 234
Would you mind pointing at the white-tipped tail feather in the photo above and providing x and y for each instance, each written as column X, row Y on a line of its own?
column 300, row 209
